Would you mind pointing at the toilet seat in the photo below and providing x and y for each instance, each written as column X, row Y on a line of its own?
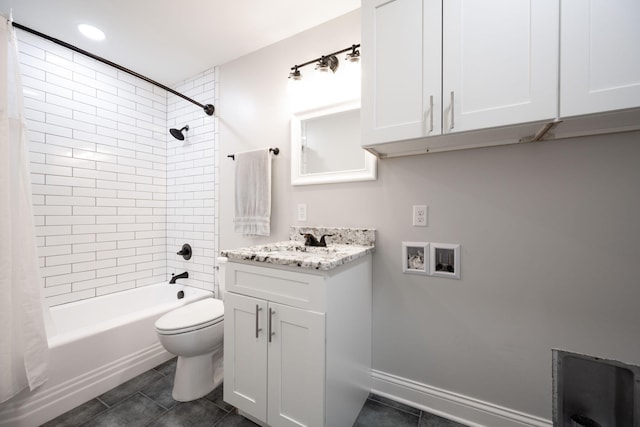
column 191, row 317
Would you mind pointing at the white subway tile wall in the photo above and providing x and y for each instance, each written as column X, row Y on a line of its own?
column 192, row 196
column 115, row 196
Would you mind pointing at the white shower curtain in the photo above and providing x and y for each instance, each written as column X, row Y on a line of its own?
column 23, row 340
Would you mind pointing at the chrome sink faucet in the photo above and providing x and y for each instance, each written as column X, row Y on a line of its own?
column 311, row 240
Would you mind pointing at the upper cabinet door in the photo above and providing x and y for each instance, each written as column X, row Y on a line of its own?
column 401, row 69
column 500, row 62
column 600, row 56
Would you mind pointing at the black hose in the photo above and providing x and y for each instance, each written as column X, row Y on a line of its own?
column 583, row 421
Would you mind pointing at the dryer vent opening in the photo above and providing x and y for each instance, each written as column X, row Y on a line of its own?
column 593, row 392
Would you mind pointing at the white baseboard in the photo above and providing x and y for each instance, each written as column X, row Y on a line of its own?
column 463, row 409
column 52, row 400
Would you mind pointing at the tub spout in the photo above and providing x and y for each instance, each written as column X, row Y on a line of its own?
column 175, row 277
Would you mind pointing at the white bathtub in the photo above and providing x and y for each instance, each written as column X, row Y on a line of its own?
column 95, row 345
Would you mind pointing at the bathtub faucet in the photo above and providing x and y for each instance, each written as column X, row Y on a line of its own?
column 175, row 277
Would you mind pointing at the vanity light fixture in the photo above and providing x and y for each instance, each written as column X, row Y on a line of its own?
column 295, row 74
column 327, row 62
column 354, row 55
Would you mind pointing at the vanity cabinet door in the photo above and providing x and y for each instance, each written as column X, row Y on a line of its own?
column 245, row 354
column 499, row 63
column 296, row 367
column 600, row 56
column 401, row 69
column 281, row 379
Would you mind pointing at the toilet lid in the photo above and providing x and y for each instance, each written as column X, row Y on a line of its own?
column 195, row 315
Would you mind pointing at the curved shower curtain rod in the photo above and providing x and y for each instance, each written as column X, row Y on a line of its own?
column 208, row 108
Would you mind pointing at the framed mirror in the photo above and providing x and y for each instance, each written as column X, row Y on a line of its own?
column 326, row 146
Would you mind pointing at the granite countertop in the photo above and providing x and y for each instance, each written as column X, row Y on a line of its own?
column 346, row 245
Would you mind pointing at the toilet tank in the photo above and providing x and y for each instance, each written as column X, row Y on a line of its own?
column 221, row 266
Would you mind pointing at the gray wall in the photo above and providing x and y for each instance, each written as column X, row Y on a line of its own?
column 548, row 232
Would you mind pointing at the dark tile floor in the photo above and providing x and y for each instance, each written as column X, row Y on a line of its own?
column 146, row 401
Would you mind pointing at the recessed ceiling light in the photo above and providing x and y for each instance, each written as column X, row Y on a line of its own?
column 91, row 32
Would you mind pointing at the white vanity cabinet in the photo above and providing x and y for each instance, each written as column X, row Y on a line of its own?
column 278, row 374
column 600, row 56
column 434, row 67
column 297, row 346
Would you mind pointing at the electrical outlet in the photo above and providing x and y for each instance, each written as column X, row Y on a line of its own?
column 420, row 215
column 302, row 211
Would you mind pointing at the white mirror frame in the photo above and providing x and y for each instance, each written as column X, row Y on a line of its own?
column 368, row 173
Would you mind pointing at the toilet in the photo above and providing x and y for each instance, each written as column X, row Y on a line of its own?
column 194, row 333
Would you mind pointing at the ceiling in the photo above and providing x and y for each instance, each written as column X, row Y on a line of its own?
column 172, row 40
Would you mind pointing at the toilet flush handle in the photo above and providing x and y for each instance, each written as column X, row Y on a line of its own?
column 185, row 251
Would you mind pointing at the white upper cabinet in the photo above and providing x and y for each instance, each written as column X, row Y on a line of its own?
column 401, row 77
column 433, row 67
column 600, row 56
column 499, row 62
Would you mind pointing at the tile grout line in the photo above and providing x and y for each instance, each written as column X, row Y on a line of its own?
column 108, row 408
column 156, row 418
column 155, row 401
column 222, row 419
column 419, row 414
column 103, row 402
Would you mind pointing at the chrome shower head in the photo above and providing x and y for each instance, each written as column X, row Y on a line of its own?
column 177, row 134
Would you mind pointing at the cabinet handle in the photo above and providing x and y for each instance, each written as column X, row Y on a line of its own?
column 258, row 329
column 270, row 322
column 431, row 114
column 451, row 111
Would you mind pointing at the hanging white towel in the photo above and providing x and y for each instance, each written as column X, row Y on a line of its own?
column 253, row 193
column 23, row 340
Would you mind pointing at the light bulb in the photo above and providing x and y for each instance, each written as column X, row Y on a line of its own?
column 91, row 32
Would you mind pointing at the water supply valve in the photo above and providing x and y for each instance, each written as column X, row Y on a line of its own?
column 185, row 251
